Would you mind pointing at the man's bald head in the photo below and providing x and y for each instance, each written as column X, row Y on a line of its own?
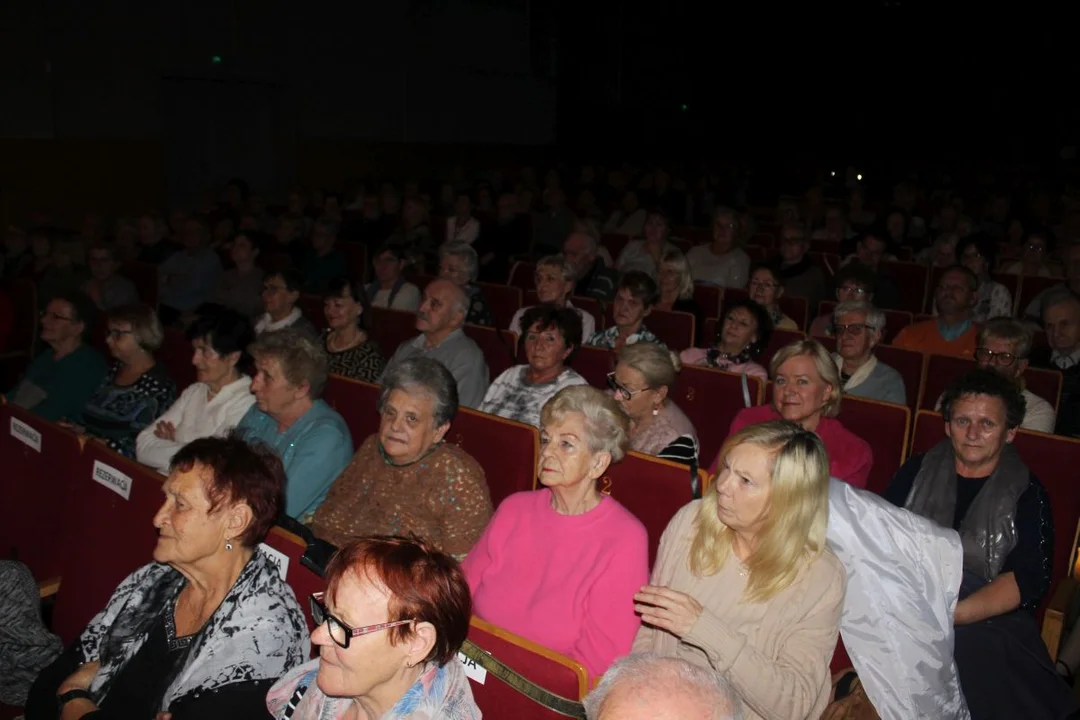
column 645, row 686
column 443, row 309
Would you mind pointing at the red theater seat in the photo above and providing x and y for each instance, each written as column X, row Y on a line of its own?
column 593, row 364
column 356, row 260
column 175, row 353
column 942, row 370
column 555, row 673
column 709, row 299
column 779, row 339
column 711, row 399
column 523, row 276
column 499, row 347
column 145, row 278
column 357, row 403
column 312, row 308
column 911, row 280
column 507, row 450
column 390, row 328
column 1030, row 287
column 503, row 300
column 615, row 243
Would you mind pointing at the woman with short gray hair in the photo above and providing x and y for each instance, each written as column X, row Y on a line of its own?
column 555, row 280
column 858, row 328
column 459, row 263
column 406, row 479
column 560, row 565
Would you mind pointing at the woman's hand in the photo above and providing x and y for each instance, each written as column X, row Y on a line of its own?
column 667, row 609
column 165, row 431
column 80, row 679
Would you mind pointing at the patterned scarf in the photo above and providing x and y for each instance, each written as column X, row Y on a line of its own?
column 26, row 647
column 257, row 633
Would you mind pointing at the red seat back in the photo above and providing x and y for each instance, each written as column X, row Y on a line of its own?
column 828, row 262
column 107, row 536
column 312, row 308
column 614, row 242
column 390, row 328
column 673, row 328
column 24, row 333
column 507, row 450
column 357, row 403
column 886, row 428
column 895, row 320
column 1031, row 286
column 942, row 370
column 593, row 364
column 709, row 299
column 37, row 458
column 503, row 300
column 912, row 280
column 175, row 353
column 355, row 261
column 499, row 347
column 779, row 339
column 693, row 235
column 522, row 276
column 144, row 276
column 711, row 399
column 546, row 668
column 285, row 545
column 822, row 245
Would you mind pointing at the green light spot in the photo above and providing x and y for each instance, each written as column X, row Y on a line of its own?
column 216, row 59
column 685, row 108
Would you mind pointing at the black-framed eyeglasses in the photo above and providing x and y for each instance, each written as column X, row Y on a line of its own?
column 854, row 329
column 619, row 389
column 858, row 291
column 117, row 334
column 339, row 632
column 1001, row 359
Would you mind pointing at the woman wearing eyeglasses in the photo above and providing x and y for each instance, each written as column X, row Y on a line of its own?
column 388, row 629
column 137, row 389
column 858, row 327
column 1037, row 247
column 745, row 329
column 806, row 391
column 766, row 288
column 977, row 254
column 854, row 283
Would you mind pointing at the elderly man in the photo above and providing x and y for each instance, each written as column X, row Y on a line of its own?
column 107, row 289
column 801, row 276
column 1004, row 346
column 439, row 320
column 975, row 482
column 870, row 251
column 591, row 276
column 858, row 327
column 312, row 440
column 646, row 686
column 953, row 331
column 1061, row 318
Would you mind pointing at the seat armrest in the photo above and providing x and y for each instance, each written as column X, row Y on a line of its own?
column 1054, row 619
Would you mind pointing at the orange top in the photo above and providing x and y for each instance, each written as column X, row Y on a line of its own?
column 924, row 337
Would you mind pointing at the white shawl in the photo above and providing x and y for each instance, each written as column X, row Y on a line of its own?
column 860, row 375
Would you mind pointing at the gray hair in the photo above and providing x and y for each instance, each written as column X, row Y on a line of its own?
column 1008, row 330
column 681, row 265
column 874, row 317
column 607, row 426
column 669, row 676
column 558, row 261
column 464, row 251
column 145, row 324
column 428, row 376
column 302, row 359
column 659, row 366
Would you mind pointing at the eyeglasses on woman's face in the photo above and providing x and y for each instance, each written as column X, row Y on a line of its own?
column 339, row 632
column 621, row 391
column 987, row 356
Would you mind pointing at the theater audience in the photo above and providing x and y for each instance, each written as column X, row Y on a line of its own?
column 63, row 276
column 507, row 237
column 854, row 283
column 806, row 391
column 325, row 261
column 766, row 289
column 439, row 320
column 459, row 264
column 390, row 289
column 642, row 382
column 40, row 255
column 646, row 686
column 205, row 629
column 647, row 253
column 871, row 250
column 592, row 278
column 978, row 254
column 64, row 376
column 389, row 627
column 189, row 277
column 17, row 254
column 722, row 262
column 745, row 329
column 975, row 482
column 1071, row 286
column 858, row 327
column 1061, row 318
column 349, row 347
column 744, row 585
column 137, row 389
column 241, row 286
column 289, row 416
column 1005, row 347
column 554, row 282
column 220, row 396
column 628, row 218
column 800, row 275
column 280, row 291
column 105, row 287
column 953, row 332
column 1033, row 261
column 155, row 244
column 553, row 336
column 587, row 554
column 675, row 286
column 462, row 227
column 633, row 302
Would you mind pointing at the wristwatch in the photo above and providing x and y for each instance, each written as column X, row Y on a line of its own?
column 70, row 695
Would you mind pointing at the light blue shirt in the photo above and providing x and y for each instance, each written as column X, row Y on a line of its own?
column 315, row 449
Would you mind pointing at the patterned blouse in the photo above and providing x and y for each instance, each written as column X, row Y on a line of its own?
column 608, row 338
column 513, row 397
column 118, row 413
column 362, row 362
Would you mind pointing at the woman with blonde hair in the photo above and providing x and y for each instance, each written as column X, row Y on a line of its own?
column 807, row 391
column 744, row 584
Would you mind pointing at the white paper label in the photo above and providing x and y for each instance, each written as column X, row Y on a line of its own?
column 113, row 479
column 25, row 434
column 278, row 558
column 472, row 671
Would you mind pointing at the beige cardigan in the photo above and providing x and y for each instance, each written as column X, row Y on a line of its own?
column 776, row 654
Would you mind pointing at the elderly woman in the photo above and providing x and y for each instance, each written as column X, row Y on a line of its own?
column 459, row 264
column 220, row 396
column 280, row 292
column 978, row 254
column 348, row 345
column 745, row 330
column 642, row 383
column 806, row 391
column 405, row 479
column 766, row 288
column 554, row 284
column 60, row 380
column 1037, row 249
column 744, row 584
column 675, row 285
column 519, row 393
column 647, row 253
column 390, row 289
column 634, row 299
column 311, row 438
column 108, row 289
column 394, row 614
column 587, row 554
column 854, row 283
column 722, row 262
column 858, row 327
column 241, row 286
column 205, row 629
column 137, row 389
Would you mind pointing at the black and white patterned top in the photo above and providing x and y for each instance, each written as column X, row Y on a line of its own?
column 362, row 362
column 118, row 413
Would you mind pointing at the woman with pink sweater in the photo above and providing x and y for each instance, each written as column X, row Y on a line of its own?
column 560, row 566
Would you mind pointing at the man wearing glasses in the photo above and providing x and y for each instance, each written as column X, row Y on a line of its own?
column 1061, row 318
column 858, row 327
column 1004, row 346
column 953, row 331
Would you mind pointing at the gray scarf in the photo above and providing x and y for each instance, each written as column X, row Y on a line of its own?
column 988, row 530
